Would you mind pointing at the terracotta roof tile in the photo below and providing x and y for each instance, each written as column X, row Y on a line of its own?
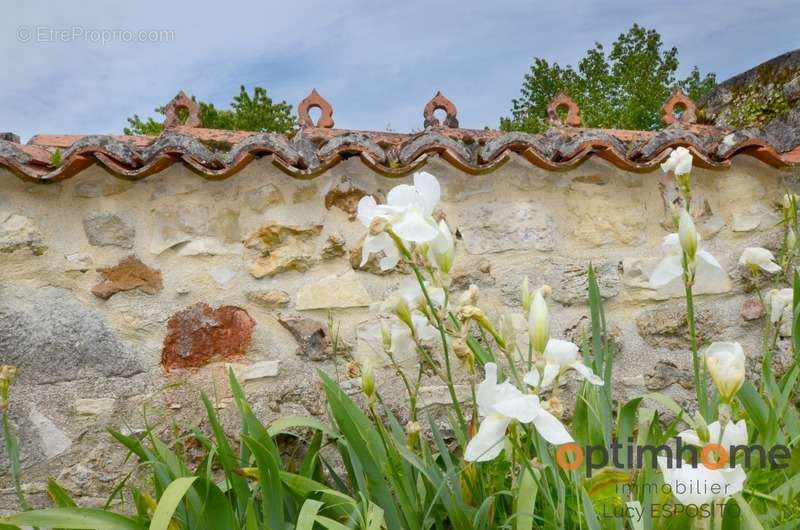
column 313, row 149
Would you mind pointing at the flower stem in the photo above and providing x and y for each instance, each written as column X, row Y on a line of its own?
column 700, row 522
column 697, row 367
column 12, row 450
column 717, row 509
column 445, row 350
column 412, row 392
column 439, row 325
column 764, row 496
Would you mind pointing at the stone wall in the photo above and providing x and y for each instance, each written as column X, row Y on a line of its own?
column 120, row 301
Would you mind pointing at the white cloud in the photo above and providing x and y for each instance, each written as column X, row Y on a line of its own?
column 378, row 62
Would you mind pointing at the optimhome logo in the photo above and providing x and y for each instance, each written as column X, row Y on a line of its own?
column 571, row 456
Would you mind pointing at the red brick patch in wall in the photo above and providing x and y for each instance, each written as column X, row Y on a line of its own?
column 200, row 334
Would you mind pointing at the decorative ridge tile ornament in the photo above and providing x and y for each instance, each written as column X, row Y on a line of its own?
column 317, row 147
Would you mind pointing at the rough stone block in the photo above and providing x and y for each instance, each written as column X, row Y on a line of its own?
column 51, row 336
column 108, row 229
column 498, row 227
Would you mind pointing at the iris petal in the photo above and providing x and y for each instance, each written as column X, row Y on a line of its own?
column 402, row 195
column 488, row 442
column 367, row 209
column 667, row 270
column 383, row 242
column 551, row 371
column 412, row 226
column 587, row 373
column 551, row 429
column 523, row 408
column 429, row 191
column 561, row 352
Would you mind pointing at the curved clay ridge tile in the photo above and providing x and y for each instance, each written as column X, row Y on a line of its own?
column 11, row 151
column 702, row 147
column 266, row 143
column 769, row 155
column 754, row 143
column 306, row 174
column 516, row 142
column 16, row 160
column 534, row 157
column 106, row 145
column 150, row 168
column 475, row 169
column 789, row 157
column 672, row 136
column 392, row 171
column 747, row 138
column 567, row 148
column 352, row 143
column 311, row 151
column 184, row 146
column 433, row 141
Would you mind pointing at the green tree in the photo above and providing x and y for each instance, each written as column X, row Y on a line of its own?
column 247, row 113
column 624, row 88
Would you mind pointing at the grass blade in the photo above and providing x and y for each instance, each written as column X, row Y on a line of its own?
column 169, row 502
column 366, row 443
column 525, row 500
column 227, row 458
column 755, row 406
column 308, row 515
column 59, row 495
column 271, row 488
column 71, row 517
column 748, row 517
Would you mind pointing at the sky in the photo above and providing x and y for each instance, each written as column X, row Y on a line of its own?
column 83, row 67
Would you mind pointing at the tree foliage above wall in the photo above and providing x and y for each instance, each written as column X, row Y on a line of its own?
column 255, row 112
column 622, row 88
